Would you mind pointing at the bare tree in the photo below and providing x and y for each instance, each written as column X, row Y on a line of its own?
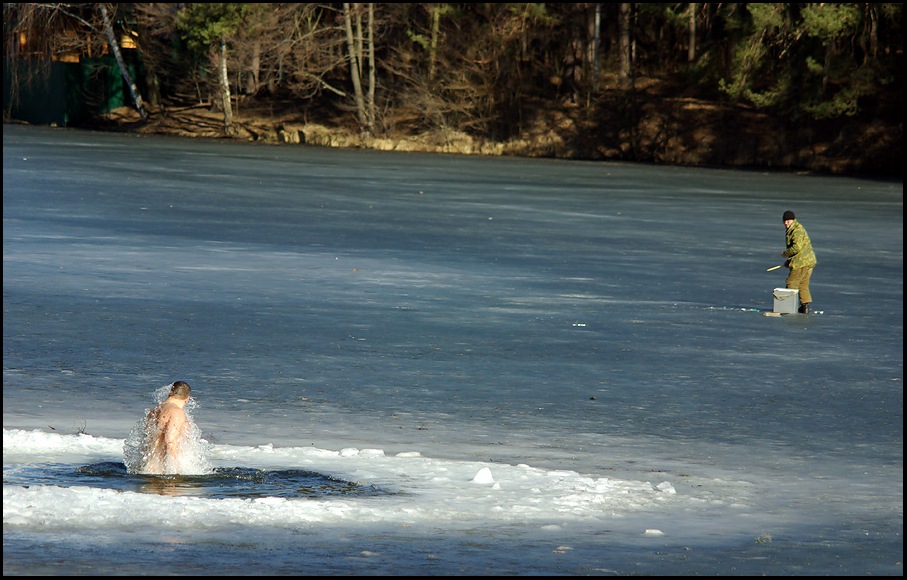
column 691, row 46
column 32, row 35
column 225, row 89
column 595, row 45
column 157, row 35
column 358, row 55
column 38, row 33
column 115, row 48
column 625, row 68
column 209, row 28
column 310, row 55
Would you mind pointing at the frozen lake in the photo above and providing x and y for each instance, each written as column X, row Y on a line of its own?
column 424, row 364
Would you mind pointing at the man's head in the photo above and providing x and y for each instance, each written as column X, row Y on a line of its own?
column 788, row 218
column 180, row 390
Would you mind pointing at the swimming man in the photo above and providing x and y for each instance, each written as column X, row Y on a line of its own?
column 166, row 431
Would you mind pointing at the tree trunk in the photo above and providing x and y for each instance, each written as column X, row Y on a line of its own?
column 691, row 48
column 873, row 25
column 433, row 47
column 225, row 89
column 596, row 46
column 355, row 67
column 254, row 78
column 625, row 69
column 371, row 67
column 115, row 48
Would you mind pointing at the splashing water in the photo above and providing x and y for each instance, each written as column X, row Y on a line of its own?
column 193, row 456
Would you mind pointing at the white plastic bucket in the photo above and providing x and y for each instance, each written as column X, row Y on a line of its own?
column 787, row 300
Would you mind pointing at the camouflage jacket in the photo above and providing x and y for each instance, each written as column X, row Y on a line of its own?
column 799, row 249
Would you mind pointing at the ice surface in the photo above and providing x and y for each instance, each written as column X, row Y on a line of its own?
column 551, row 367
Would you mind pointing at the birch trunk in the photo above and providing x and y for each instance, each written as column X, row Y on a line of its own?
column 371, row 67
column 225, row 89
column 355, row 67
column 115, row 48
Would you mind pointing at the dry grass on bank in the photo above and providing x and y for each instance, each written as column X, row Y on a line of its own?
column 275, row 127
column 666, row 130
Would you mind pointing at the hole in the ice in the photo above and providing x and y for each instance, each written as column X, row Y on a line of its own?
column 223, row 482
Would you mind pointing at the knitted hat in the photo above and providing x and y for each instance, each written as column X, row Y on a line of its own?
column 788, row 215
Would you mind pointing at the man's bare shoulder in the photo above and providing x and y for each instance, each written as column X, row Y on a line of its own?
column 169, row 411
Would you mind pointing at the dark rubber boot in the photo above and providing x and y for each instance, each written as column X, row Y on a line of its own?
column 804, row 308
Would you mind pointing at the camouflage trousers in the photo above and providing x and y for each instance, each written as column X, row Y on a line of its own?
column 799, row 279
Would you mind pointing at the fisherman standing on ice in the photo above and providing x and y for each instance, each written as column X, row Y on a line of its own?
column 801, row 259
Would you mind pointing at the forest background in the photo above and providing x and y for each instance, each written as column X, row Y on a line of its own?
column 815, row 87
